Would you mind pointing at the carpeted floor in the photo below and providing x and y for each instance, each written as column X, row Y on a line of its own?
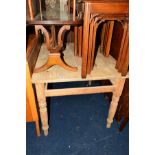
column 78, row 127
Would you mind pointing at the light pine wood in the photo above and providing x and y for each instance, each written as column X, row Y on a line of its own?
column 104, row 68
column 40, row 90
column 78, row 91
column 115, row 98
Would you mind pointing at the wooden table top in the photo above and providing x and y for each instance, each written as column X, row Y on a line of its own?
column 103, row 69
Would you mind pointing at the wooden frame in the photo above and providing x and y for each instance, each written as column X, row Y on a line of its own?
column 108, row 10
column 42, row 93
column 32, row 51
column 96, row 12
column 31, row 109
column 57, row 74
column 55, row 57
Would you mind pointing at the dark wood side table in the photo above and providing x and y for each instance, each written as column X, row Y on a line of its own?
column 50, row 17
column 96, row 12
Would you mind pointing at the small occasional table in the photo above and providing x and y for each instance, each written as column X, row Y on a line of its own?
column 95, row 13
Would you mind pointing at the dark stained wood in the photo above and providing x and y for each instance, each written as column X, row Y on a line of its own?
column 90, row 47
column 53, row 36
column 125, row 66
column 123, row 53
column 54, row 57
column 116, row 39
column 54, row 16
column 54, row 22
column 108, row 10
column 80, row 28
column 75, row 6
column 33, row 48
column 122, row 112
column 98, row 21
column 117, row 44
column 85, row 40
column 30, row 9
column 103, row 38
column 123, row 59
column 76, row 40
column 110, row 25
column 74, row 9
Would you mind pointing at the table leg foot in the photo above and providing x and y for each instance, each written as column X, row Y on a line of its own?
column 55, row 59
column 46, row 132
column 109, row 122
column 114, row 103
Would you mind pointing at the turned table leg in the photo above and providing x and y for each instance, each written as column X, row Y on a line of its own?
column 40, row 90
column 114, row 103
